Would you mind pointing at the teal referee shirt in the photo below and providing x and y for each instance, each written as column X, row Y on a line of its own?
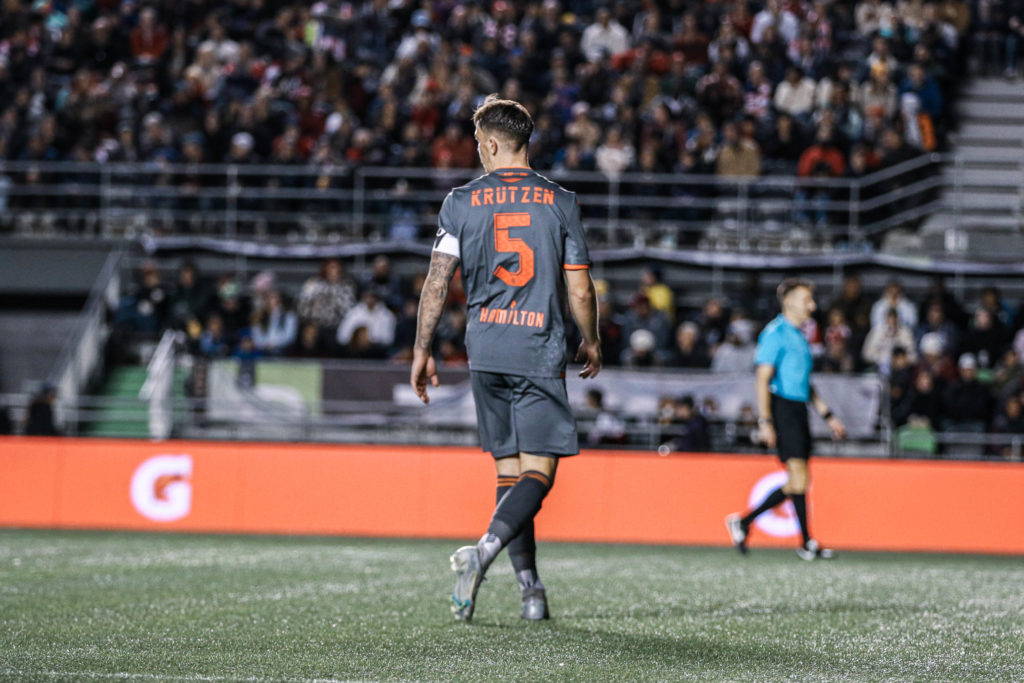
column 784, row 347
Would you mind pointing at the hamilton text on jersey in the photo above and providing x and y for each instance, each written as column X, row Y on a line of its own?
column 510, row 316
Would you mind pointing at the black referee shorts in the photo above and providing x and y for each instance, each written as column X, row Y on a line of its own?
column 792, row 428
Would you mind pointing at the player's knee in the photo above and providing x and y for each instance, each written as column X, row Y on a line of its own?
column 539, row 462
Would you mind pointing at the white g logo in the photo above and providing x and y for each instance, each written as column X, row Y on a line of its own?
column 162, row 487
column 772, row 522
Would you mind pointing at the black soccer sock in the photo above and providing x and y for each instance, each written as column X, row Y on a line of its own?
column 522, row 549
column 800, row 505
column 773, row 499
column 505, row 484
column 516, row 509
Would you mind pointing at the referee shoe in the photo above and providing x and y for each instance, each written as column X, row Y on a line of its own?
column 737, row 532
column 812, row 550
column 468, row 575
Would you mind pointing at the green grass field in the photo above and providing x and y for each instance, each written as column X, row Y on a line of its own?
column 98, row 606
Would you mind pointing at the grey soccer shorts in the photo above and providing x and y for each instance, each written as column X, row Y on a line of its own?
column 523, row 415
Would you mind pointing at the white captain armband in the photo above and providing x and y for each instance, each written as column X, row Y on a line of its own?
column 446, row 243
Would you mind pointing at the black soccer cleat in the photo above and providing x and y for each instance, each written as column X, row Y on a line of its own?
column 737, row 532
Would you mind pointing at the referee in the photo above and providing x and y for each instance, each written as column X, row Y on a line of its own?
column 783, row 361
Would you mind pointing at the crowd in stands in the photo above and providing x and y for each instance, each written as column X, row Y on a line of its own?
column 951, row 365
column 808, row 87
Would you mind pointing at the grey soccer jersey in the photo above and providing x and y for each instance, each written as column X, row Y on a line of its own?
column 516, row 232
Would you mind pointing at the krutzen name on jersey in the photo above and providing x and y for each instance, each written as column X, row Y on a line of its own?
column 529, row 194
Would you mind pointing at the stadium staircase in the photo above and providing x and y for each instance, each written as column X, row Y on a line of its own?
column 118, row 410
column 984, row 195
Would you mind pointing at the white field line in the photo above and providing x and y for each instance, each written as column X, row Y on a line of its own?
column 95, row 675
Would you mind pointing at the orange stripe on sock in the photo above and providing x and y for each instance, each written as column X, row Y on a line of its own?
column 539, row 476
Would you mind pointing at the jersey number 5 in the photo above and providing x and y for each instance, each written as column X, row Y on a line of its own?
column 513, row 245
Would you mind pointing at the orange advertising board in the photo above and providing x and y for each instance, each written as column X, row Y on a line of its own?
column 438, row 492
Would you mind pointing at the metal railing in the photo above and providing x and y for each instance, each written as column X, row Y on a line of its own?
column 82, row 355
column 339, row 203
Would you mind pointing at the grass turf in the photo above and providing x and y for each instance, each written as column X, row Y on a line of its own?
column 87, row 605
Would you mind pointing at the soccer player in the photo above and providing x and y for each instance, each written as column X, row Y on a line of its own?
column 783, row 361
column 519, row 240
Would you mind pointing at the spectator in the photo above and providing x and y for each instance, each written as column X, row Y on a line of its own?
column 326, row 298
column 377, row 322
column 967, row 404
column 946, row 336
column 39, row 418
column 609, row 324
column 214, row 341
column 922, row 400
column 615, row 154
column 877, row 95
column 736, row 354
column 720, row 93
column 686, row 430
column 901, row 375
column 145, row 310
column 642, row 316
column 894, row 298
column 641, row 351
column 384, row 281
column 1014, row 34
column 274, row 327
column 658, row 293
column 985, row 339
column 883, row 339
column 149, row 39
column 795, row 95
column 783, row 147
column 608, row 427
column 775, row 15
column 936, row 361
column 837, row 357
column 1008, row 377
column 823, row 157
column 604, row 37
column 738, row 157
column 1009, row 421
column 189, row 299
column 873, row 16
column 309, row 343
column 688, row 351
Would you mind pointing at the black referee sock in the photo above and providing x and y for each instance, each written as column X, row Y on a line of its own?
column 515, row 511
column 773, row 499
column 800, row 505
column 522, row 549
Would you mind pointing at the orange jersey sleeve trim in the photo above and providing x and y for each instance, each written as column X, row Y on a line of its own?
column 576, row 266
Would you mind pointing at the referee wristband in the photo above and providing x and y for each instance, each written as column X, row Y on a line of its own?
column 827, row 416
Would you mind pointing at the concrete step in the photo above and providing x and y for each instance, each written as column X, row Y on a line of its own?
column 942, row 221
column 983, row 110
column 983, row 201
column 1001, row 180
column 983, row 129
column 993, row 87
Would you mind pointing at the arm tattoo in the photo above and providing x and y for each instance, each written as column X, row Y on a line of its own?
column 433, row 296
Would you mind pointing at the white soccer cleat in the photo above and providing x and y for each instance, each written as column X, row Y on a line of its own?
column 468, row 575
column 737, row 532
column 812, row 550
